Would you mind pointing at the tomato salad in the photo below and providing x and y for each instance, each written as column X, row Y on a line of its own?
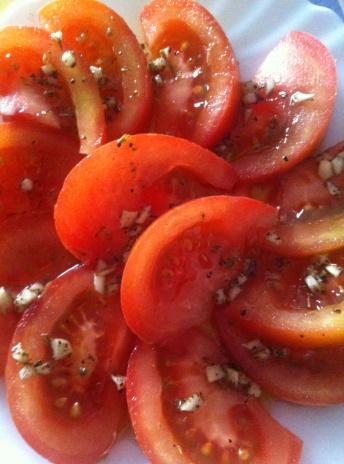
column 171, row 248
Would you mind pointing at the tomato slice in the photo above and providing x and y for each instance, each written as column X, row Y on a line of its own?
column 188, row 258
column 303, row 376
column 31, row 60
column 293, row 301
column 227, row 425
column 310, row 199
column 34, row 163
column 73, row 413
column 109, row 198
column 196, row 73
column 30, row 252
column 112, row 52
column 285, row 110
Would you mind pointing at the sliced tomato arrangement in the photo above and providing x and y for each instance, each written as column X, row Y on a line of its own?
column 305, row 376
column 34, row 163
column 286, row 108
column 169, row 239
column 50, row 85
column 297, row 302
column 113, row 56
column 186, row 260
column 195, row 72
column 222, row 425
column 109, row 198
column 59, row 373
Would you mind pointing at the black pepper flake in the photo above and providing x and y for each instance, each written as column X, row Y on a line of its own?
column 243, row 312
column 285, row 158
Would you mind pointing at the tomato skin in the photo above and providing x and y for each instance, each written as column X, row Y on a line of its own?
column 119, row 52
column 298, row 63
column 308, row 377
column 44, row 156
column 311, row 218
column 227, row 419
column 278, row 305
column 25, row 259
column 152, row 170
column 76, row 80
column 179, row 109
column 181, row 260
column 52, row 432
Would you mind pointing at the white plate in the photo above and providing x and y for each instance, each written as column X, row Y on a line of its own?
column 253, row 28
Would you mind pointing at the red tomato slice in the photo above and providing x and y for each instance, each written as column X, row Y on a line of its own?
column 297, row 302
column 186, row 259
column 30, row 58
column 30, row 252
column 34, row 163
column 286, row 109
column 112, row 52
column 197, row 84
column 310, row 199
column 73, row 413
column 301, row 376
column 109, row 198
column 227, row 427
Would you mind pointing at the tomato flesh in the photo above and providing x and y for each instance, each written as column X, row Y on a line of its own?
column 69, row 91
column 293, row 301
column 26, row 259
column 303, row 376
column 197, row 92
column 226, row 425
column 185, row 258
column 145, row 174
column 293, row 96
column 35, row 162
column 73, row 413
column 105, row 42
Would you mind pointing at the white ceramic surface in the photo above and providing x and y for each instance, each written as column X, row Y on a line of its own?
column 253, row 26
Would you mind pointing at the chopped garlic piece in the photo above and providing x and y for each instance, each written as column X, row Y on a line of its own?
column 61, row 348
column 325, row 169
column 119, row 381
column 48, row 69
column 214, row 373
column 191, row 403
column 337, row 165
column 26, row 372
column 258, row 349
column 57, row 36
column 233, row 376
column 19, row 354
column 254, row 390
column 333, row 189
column 234, row 292
column 68, row 59
column 269, row 86
column 128, row 218
column 334, row 269
column 42, row 368
column 158, row 65
column 273, row 238
column 144, row 215
column 312, row 283
column 220, row 297
column 300, row 97
column 5, row 300
column 27, row 296
column 97, row 72
column 26, row 185
column 99, row 283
